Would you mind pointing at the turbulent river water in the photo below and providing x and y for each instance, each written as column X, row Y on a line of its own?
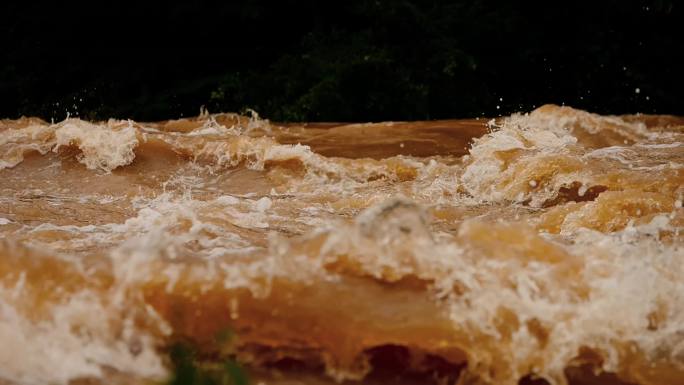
column 538, row 247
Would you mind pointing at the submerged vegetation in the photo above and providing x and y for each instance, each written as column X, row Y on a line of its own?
column 188, row 368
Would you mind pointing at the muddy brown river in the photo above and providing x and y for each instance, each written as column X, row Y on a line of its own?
column 544, row 247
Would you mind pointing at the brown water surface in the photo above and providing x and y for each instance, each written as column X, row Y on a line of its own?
column 537, row 248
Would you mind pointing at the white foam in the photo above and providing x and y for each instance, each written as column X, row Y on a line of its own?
column 101, row 147
column 77, row 340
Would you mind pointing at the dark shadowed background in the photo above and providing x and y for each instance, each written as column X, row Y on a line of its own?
column 339, row 60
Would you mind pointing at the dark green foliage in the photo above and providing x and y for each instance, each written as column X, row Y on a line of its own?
column 189, row 370
column 341, row 60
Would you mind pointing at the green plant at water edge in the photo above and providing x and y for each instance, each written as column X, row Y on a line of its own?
column 188, row 369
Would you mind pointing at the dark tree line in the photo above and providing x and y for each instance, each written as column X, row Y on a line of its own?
column 339, row 60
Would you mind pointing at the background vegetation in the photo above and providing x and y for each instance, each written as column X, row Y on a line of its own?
column 339, row 60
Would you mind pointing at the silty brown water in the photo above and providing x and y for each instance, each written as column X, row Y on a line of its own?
column 540, row 245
